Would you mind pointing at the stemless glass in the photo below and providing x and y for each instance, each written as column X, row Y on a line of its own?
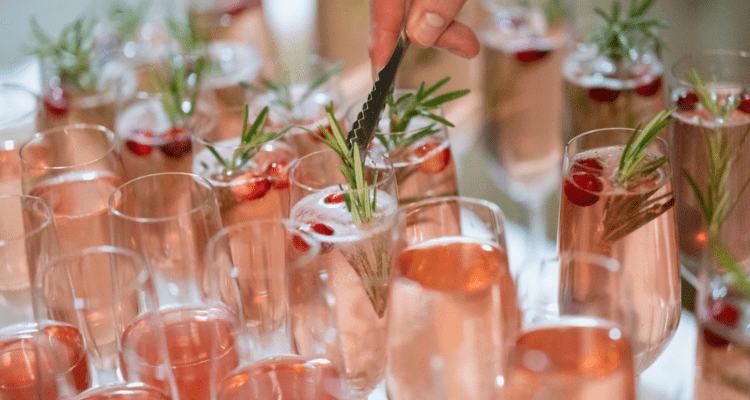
column 357, row 258
column 695, row 135
column 168, row 219
column 18, row 109
column 36, row 358
column 633, row 224
column 455, row 313
column 247, row 265
column 74, row 168
column 579, row 355
column 104, row 292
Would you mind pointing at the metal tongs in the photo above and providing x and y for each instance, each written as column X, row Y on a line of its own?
column 368, row 119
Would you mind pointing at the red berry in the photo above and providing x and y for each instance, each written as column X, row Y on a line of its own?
column 579, row 191
column 528, row 56
column 249, row 186
column 590, row 165
column 179, row 143
column 279, row 171
column 744, row 103
column 687, row 101
column 234, row 7
column 334, row 198
column 650, row 88
column 135, row 142
column 56, row 102
column 726, row 315
column 603, row 95
column 436, row 162
column 322, row 229
column 319, row 135
column 300, row 244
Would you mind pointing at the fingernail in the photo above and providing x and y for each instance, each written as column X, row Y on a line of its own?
column 428, row 29
column 459, row 52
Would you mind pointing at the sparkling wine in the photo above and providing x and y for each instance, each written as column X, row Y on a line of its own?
column 190, row 334
column 635, row 225
column 79, row 201
column 131, row 391
column 63, row 107
column 284, row 378
column 10, row 168
column 454, row 318
column 357, row 260
column 586, row 361
column 26, row 374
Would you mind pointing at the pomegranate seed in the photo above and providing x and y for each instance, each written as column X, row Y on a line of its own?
column 249, row 186
column 744, row 103
column 300, row 244
column 603, row 95
column 279, row 171
column 179, row 143
column 435, row 163
column 322, row 229
column 529, row 56
column 687, row 101
column 56, row 102
column 334, row 198
column 590, row 165
column 579, row 193
column 650, row 88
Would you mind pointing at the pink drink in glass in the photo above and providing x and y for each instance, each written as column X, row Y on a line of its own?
column 131, row 391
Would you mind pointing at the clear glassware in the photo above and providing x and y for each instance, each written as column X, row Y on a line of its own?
column 357, row 258
column 38, row 358
column 424, row 168
column 101, row 292
column 455, row 313
column 632, row 223
column 233, row 64
column 74, row 168
column 523, row 133
column 726, row 76
column 17, row 124
column 572, row 355
column 168, row 219
column 256, row 189
column 222, row 19
column 250, row 266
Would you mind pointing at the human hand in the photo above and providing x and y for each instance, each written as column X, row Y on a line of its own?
column 429, row 23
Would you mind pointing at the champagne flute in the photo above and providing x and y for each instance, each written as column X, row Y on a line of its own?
column 456, row 314
column 17, row 124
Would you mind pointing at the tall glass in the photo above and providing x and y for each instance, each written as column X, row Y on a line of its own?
column 290, row 345
column 168, row 219
column 633, row 224
column 698, row 133
column 357, row 258
column 101, row 291
column 524, row 46
column 455, row 312
column 74, row 168
column 18, row 110
column 38, row 360
column 581, row 355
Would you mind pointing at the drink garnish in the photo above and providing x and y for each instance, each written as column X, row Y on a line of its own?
column 180, row 89
column 251, row 139
column 127, row 18
column 633, row 162
column 71, row 54
column 619, row 37
column 188, row 34
column 717, row 202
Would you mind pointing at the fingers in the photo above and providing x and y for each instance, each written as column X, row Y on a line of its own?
column 386, row 17
column 429, row 19
column 460, row 40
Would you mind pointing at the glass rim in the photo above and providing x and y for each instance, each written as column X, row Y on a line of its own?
column 18, row 87
column 411, row 207
column 388, row 167
column 740, row 54
column 48, row 221
column 87, row 251
column 64, row 131
column 567, row 154
column 196, row 178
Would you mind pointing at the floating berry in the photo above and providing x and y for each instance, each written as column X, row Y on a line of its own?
column 279, row 171
column 179, row 143
column 529, row 56
column 318, row 134
column 325, row 230
column 744, row 103
column 334, row 198
column 300, row 244
column 436, row 162
column 234, row 7
column 726, row 315
column 589, row 165
column 136, row 147
column 249, row 186
column 687, row 101
column 650, row 88
column 579, row 191
column 56, row 102
column 603, row 95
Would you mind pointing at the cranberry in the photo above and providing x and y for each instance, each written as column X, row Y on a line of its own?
column 529, row 56
column 744, row 103
column 234, row 7
column 319, row 135
column 603, row 95
column 687, row 101
column 590, row 165
column 726, row 315
column 436, row 162
column 325, row 230
column 579, row 191
column 279, row 171
column 649, row 89
column 137, row 147
column 56, row 102
column 300, row 244
column 334, row 198
column 249, row 186
column 178, row 145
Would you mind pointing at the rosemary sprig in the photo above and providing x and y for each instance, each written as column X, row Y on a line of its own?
column 177, row 87
column 633, row 162
column 410, row 105
column 357, row 197
column 620, row 36
column 188, row 34
column 708, row 101
column 71, row 53
column 127, row 18
column 251, row 139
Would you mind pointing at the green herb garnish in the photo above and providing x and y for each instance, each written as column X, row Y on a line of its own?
column 251, row 139
column 410, row 105
column 179, row 91
column 71, row 54
column 618, row 38
column 188, row 34
column 708, row 101
column 633, row 162
column 128, row 19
